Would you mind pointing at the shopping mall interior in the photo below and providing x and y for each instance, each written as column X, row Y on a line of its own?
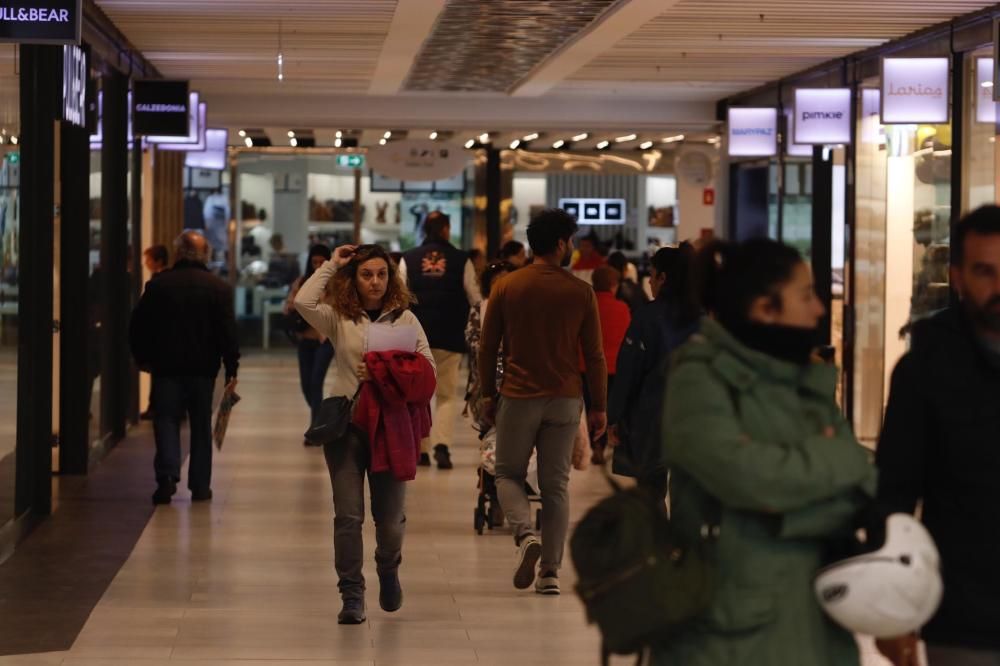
column 273, row 126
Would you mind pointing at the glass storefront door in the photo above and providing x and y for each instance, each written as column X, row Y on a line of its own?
column 9, row 262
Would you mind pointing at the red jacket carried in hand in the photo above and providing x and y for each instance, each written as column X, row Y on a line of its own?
column 394, row 409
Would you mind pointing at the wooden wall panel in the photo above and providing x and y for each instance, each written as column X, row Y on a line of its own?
column 168, row 198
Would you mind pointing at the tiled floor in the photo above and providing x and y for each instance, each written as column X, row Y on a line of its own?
column 248, row 579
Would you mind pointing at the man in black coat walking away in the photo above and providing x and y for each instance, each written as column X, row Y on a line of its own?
column 941, row 445
column 444, row 281
column 182, row 331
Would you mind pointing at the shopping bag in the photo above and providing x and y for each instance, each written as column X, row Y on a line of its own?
column 229, row 399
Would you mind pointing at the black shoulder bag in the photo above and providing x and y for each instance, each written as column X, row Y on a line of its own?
column 333, row 419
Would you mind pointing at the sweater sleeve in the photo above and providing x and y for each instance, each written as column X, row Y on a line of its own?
column 705, row 436
column 309, row 303
column 489, row 342
column 593, row 356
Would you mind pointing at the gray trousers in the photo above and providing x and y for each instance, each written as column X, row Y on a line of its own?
column 548, row 425
column 347, row 461
column 946, row 655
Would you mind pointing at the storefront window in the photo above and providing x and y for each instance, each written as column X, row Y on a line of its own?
column 979, row 167
column 9, row 231
column 96, row 309
column 796, row 213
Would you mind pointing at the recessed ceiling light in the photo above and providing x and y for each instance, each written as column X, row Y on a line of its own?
column 515, row 143
column 531, row 137
column 242, row 133
column 249, row 142
column 339, row 134
column 714, row 140
column 383, row 141
column 470, row 143
column 558, row 144
column 603, row 144
column 645, row 145
column 433, row 136
column 581, row 137
column 672, row 139
column 294, row 142
column 14, row 140
column 387, row 135
column 291, row 134
column 484, row 137
column 627, row 137
column 338, row 143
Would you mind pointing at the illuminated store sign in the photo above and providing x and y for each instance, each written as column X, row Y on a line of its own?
column 160, row 108
column 986, row 108
column 40, row 21
column 915, row 90
column 822, row 116
column 595, row 211
column 753, row 132
column 793, row 149
column 74, row 90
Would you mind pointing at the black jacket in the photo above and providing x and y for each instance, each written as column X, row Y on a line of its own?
column 637, row 396
column 941, row 444
column 184, row 324
column 435, row 272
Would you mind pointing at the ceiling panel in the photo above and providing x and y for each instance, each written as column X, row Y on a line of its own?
column 490, row 46
column 709, row 50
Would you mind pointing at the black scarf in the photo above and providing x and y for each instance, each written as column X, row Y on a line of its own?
column 786, row 343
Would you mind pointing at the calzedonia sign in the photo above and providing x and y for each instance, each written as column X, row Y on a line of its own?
column 822, row 116
column 753, row 132
column 40, row 21
column 915, row 90
column 160, row 108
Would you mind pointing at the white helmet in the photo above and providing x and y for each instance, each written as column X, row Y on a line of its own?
column 890, row 592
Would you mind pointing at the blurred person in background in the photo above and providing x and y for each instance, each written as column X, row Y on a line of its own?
column 315, row 351
column 629, row 290
column 658, row 329
column 514, row 253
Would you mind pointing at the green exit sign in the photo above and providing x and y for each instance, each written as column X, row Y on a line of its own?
column 351, row 161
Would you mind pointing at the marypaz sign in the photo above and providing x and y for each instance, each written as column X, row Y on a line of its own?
column 753, row 132
column 915, row 90
column 40, row 21
column 822, row 116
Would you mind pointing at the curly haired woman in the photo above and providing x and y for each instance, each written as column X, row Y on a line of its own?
column 360, row 286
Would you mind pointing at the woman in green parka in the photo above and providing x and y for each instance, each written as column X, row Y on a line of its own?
column 758, row 447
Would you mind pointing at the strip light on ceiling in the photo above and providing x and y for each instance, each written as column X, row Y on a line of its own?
column 558, row 144
column 646, row 145
column 470, row 143
column 433, row 136
column 672, row 139
column 338, row 143
column 603, row 144
column 387, row 135
column 514, row 144
column 581, row 137
column 531, row 137
column 627, row 137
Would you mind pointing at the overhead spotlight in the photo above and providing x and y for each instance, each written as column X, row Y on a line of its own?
column 646, row 145
column 987, row 84
column 14, row 140
column 339, row 134
column 714, row 140
column 433, row 136
column 249, row 142
column 515, row 143
column 291, row 134
column 383, row 141
column 484, row 137
column 242, row 133
column 294, row 142
column 387, row 135
column 558, row 144
column 672, row 139
column 338, row 143
column 470, row 143
column 581, row 137
column 627, row 137
column 603, row 144
column 3, row 139
column 531, row 137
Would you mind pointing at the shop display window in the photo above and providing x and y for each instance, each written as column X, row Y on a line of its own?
column 96, row 305
column 979, row 163
column 9, row 263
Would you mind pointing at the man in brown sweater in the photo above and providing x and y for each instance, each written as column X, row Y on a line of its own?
column 543, row 316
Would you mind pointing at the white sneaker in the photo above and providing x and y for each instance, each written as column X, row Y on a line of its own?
column 528, row 554
column 547, row 583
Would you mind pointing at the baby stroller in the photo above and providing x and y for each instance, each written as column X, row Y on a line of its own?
column 488, row 513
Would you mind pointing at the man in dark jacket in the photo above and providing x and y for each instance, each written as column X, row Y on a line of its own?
column 443, row 279
column 940, row 446
column 182, row 331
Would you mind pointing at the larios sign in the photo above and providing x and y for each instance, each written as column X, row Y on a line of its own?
column 753, row 132
column 822, row 116
column 160, row 108
column 915, row 90
column 40, row 21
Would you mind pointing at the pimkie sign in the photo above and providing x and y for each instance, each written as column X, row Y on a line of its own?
column 40, row 21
